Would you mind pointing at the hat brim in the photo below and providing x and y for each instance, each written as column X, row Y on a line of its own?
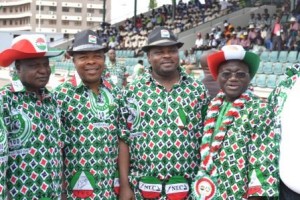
column 147, row 47
column 215, row 60
column 71, row 52
column 8, row 56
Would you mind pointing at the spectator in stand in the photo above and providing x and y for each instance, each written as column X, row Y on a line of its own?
column 138, row 70
column 222, row 41
column 259, row 21
column 115, row 70
column 292, row 33
column 199, row 42
column 276, row 34
column 251, row 33
column 212, row 42
column 245, row 42
column 267, row 20
column 252, row 19
column 210, row 83
column 233, row 40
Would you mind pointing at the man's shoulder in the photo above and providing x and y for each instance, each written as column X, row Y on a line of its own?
column 67, row 85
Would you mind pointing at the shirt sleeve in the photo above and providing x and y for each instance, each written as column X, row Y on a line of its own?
column 124, row 123
column 263, row 156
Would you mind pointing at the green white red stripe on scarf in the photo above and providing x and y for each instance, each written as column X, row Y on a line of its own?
column 210, row 146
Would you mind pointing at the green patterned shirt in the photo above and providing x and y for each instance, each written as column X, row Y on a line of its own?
column 247, row 157
column 163, row 129
column 34, row 141
column 3, row 154
column 115, row 72
column 91, row 124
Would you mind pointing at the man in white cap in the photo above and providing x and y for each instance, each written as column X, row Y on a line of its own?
column 32, row 120
column 89, row 110
column 161, row 125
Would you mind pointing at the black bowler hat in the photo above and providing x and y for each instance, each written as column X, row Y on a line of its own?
column 161, row 37
column 87, row 40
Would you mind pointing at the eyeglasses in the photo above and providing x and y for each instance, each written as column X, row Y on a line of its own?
column 238, row 75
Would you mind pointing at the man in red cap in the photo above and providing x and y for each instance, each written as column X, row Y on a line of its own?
column 161, row 125
column 239, row 149
column 32, row 121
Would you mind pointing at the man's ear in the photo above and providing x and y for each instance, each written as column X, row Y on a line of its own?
column 17, row 65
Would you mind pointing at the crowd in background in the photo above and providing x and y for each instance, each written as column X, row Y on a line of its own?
column 132, row 35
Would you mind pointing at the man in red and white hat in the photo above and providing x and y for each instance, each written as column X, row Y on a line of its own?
column 239, row 150
column 32, row 121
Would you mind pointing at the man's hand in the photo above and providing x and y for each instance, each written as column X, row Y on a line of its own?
column 126, row 193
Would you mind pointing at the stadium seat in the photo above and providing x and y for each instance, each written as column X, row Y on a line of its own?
column 271, row 81
column 292, row 56
column 268, row 68
column 181, row 54
column 280, row 78
column 274, row 56
column 264, row 56
column 130, row 54
column 282, row 57
column 278, row 68
column 253, row 81
column 260, row 68
column 261, row 80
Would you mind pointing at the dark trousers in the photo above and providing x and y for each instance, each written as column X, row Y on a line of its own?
column 286, row 193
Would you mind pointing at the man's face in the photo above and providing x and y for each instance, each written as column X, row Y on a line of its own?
column 164, row 60
column 89, row 65
column 111, row 55
column 34, row 73
column 233, row 78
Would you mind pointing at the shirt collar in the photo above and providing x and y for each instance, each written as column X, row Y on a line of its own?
column 149, row 78
column 17, row 86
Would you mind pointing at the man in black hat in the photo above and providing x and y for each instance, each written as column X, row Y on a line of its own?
column 161, row 125
column 89, row 112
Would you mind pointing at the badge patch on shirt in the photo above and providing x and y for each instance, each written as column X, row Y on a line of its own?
column 83, row 184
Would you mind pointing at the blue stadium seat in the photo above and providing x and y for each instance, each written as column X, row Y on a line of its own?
column 181, row 54
column 261, row 80
column 131, row 54
column 271, row 81
column 282, row 57
column 264, row 56
column 268, row 68
column 280, row 78
column 278, row 68
column 274, row 56
column 253, row 81
column 260, row 68
column 292, row 56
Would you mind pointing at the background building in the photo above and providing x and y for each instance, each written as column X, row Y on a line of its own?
column 51, row 16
